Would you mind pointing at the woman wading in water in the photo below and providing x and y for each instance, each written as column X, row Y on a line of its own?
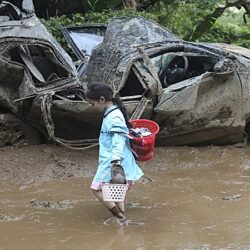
column 113, row 145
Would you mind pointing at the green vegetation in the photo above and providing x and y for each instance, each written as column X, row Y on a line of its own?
column 191, row 20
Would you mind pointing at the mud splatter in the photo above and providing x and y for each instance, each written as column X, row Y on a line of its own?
column 55, row 205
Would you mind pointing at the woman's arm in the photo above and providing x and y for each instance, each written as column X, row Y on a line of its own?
column 118, row 130
column 118, row 144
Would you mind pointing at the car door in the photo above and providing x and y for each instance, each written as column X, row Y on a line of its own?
column 203, row 108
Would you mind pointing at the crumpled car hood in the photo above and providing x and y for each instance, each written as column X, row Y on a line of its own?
column 122, row 38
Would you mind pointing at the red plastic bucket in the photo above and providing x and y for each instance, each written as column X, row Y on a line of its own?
column 144, row 147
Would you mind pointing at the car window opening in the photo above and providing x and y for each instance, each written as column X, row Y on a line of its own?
column 132, row 87
column 41, row 63
column 8, row 12
column 172, row 68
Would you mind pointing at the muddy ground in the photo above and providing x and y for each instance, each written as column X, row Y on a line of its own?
column 199, row 198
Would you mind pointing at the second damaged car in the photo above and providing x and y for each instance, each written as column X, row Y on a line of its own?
column 197, row 93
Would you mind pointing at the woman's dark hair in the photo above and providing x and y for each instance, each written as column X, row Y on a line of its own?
column 97, row 90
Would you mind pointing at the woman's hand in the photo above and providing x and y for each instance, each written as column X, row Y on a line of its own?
column 116, row 162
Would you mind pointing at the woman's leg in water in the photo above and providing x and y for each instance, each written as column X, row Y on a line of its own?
column 110, row 205
column 121, row 206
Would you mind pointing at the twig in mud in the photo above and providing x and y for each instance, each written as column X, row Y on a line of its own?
column 232, row 197
column 145, row 179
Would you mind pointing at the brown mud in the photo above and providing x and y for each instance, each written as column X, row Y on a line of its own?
column 199, row 198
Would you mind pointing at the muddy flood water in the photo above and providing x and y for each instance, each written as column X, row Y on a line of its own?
column 199, row 198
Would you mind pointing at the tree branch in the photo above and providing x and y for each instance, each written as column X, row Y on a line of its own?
column 210, row 19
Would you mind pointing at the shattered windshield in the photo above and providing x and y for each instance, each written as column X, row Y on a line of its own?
column 85, row 41
column 41, row 62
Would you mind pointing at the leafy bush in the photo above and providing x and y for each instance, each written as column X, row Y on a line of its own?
column 180, row 18
column 55, row 24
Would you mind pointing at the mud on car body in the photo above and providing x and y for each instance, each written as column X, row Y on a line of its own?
column 198, row 93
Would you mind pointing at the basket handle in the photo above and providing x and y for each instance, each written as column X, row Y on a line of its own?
column 109, row 170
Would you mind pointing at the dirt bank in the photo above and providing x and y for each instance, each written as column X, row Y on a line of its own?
column 35, row 164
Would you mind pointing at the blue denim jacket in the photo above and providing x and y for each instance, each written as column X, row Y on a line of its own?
column 114, row 145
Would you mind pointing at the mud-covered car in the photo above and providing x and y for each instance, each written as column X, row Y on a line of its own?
column 198, row 93
column 32, row 66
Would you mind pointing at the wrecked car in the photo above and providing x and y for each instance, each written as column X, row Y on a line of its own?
column 197, row 92
column 32, row 64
